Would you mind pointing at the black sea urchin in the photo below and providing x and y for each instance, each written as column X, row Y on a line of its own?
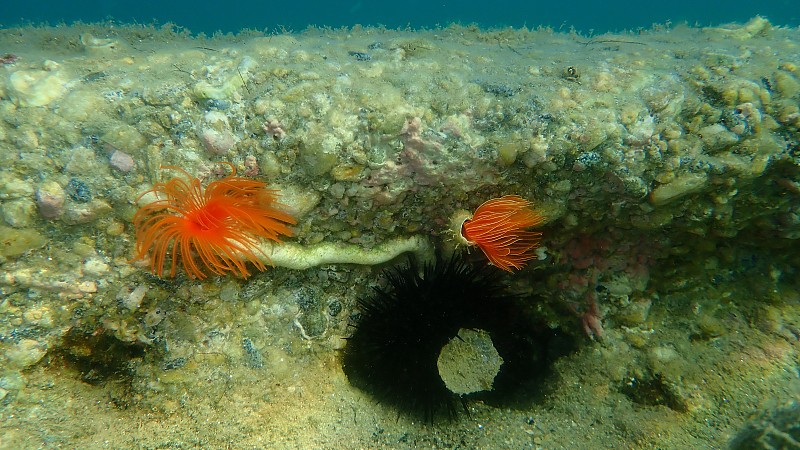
column 393, row 352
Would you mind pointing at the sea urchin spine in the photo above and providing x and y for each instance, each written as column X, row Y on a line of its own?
column 398, row 337
column 394, row 349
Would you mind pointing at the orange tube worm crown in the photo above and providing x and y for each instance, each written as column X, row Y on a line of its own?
column 499, row 228
column 215, row 229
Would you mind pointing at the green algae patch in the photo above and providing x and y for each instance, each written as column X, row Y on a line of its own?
column 15, row 241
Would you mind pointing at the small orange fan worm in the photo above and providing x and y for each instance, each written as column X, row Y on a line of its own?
column 216, row 228
column 499, row 229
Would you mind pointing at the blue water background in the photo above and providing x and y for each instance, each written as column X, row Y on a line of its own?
column 232, row 16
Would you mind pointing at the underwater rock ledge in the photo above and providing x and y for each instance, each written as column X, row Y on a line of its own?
column 666, row 164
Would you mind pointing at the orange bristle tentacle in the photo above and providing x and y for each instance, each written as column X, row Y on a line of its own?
column 215, row 229
column 499, row 229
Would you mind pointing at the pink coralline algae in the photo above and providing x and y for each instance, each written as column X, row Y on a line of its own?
column 412, row 135
column 609, row 255
column 428, row 158
column 274, row 128
column 50, row 198
column 592, row 318
column 413, row 155
column 611, row 265
column 250, row 166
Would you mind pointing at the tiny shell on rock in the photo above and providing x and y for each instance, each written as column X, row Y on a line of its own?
column 122, row 161
column 215, row 133
column 677, row 188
